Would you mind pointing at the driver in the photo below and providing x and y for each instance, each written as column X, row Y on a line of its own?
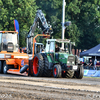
column 57, row 49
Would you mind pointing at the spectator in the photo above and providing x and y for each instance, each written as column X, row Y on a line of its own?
column 98, row 65
column 95, row 61
column 90, row 64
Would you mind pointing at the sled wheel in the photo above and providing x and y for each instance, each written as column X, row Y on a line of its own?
column 1, row 67
column 5, row 67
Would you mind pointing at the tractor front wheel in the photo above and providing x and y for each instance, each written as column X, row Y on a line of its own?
column 69, row 74
column 38, row 65
column 57, row 71
column 79, row 74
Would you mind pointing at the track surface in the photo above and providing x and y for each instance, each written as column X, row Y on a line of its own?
column 17, row 87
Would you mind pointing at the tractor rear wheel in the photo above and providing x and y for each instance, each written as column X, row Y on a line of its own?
column 79, row 74
column 38, row 65
column 69, row 74
column 1, row 69
column 57, row 71
column 46, row 71
column 5, row 67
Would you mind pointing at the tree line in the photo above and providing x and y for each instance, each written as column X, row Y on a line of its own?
column 83, row 14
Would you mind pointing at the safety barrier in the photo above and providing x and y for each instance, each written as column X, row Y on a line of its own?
column 92, row 73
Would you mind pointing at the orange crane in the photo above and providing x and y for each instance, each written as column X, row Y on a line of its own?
column 32, row 46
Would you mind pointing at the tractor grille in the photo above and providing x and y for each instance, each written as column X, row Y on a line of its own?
column 71, row 58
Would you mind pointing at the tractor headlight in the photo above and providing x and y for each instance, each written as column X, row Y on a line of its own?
column 72, row 62
column 68, row 62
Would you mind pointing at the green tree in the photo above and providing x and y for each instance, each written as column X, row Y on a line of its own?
column 85, row 18
column 52, row 10
column 85, row 15
column 22, row 10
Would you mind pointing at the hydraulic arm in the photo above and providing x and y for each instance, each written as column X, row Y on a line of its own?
column 46, row 30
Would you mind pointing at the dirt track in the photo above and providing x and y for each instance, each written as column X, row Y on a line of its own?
column 14, row 87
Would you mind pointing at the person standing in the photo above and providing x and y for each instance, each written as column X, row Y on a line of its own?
column 95, row 61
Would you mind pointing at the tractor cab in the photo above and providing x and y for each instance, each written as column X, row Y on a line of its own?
column 9, row 41
column 54, row 46
column 59, row 54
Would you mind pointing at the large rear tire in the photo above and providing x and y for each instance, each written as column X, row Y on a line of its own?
column 57, row 72
column 79, row 74
column 1, row 67
column 38, row 65
column 5, row 67
column 46, row 71
column 69, row 74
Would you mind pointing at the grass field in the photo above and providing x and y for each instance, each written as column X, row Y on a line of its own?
column 91, row 77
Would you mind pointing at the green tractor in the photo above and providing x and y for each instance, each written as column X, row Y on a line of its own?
column 57, row 61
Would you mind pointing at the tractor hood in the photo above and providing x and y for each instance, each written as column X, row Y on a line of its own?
column 63, row 57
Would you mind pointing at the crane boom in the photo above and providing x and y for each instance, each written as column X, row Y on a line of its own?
column 39, row 15
column 47, row 29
